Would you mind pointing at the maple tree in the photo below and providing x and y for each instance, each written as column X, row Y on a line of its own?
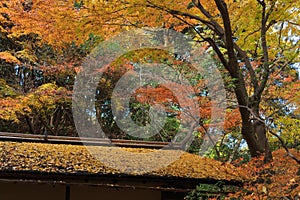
column 240, row 36
column 253, row 40
column 25, row 82
column 256, row 44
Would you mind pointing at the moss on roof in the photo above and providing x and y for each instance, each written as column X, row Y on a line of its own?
column 58, row 158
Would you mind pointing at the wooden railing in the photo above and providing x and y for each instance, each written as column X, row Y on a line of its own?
column 21, row 137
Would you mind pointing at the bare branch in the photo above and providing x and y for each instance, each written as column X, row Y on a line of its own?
column 293, row 23
column 284, row 146
column 248, row 35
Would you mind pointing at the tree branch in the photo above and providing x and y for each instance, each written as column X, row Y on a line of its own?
column 212, row 24
column 239, row 50
column 284, row 146
column 248, row 65
column 218, row 52
column 233, row 70
column 265, row 76
column 218, row 27
column 179, row 13
column 277, row 136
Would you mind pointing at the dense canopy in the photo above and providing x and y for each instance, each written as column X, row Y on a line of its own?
column 44, row 46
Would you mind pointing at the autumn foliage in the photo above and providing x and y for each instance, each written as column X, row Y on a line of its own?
column 275, row 180
column 41, row 53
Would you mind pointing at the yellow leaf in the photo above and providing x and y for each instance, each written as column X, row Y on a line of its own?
column 8, row 57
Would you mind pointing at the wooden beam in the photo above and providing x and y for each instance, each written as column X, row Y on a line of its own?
column 20, row 137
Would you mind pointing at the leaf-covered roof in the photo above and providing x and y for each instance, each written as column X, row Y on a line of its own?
column 76, row 159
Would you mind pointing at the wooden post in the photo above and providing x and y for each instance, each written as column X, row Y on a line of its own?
column 68, row 192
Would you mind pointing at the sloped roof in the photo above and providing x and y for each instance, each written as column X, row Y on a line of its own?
column 76, row 159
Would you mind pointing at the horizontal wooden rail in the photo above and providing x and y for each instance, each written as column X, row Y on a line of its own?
column 21, row 137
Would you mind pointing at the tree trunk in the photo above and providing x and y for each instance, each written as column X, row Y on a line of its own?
column 253, row 132
column 28, row 121
column 262, row 140
column 260, row 127
column 249, row 134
